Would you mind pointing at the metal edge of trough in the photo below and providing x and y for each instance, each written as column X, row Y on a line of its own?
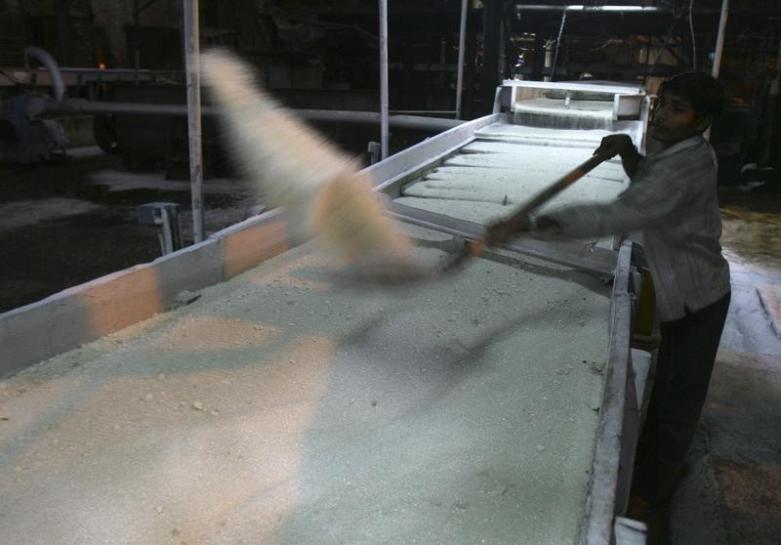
column 606, row 469
column 86, row 312
column 570, row 253
column 391, row 174
column 83, row 313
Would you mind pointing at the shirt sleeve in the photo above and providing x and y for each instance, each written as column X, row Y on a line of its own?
column 650, row 201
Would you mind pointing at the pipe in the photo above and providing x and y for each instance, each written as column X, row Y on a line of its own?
column 58, row 86
column 694, row 37
column 383, row 79
column 73, row 106
column 461, row 53
column 62, row 17
column 558, row 44
column 423, row 112
column 580, row 7
column 720, row 38
column 192, row 63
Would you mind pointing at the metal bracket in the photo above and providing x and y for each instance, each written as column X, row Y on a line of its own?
column 165, row 215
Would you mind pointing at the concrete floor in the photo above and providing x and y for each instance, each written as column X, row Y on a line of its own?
column 65, row 224
column 732, row 494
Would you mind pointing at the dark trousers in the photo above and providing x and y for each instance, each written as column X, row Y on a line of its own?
column 686, row 356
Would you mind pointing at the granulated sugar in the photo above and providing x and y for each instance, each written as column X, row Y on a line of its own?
column 278, row 409
column 506, row 166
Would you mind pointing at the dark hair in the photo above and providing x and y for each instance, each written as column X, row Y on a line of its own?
column 703, row 91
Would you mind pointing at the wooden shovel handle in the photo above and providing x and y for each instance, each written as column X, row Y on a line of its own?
column 476, row 247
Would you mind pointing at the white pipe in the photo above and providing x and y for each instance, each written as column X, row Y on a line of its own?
column 400, row 120
column 580, row 7
column 192, row 63
column 383, row 79
column 461, row 53
column 55, row 74
column 720, row 39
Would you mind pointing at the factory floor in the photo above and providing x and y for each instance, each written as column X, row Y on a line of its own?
column 732, row 492
column 63, row 224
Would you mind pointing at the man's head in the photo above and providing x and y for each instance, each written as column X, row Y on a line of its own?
column 686, row 107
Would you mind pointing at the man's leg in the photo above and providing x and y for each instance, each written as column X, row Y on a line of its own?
column 684, row 367
column 693, row 354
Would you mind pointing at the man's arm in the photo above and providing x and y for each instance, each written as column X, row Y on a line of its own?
column 654, row 201
column 612, row 145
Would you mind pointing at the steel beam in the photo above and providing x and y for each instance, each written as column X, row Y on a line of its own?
column 492, row 45
column 461, row 56
column 720, row 38
column 384, row 79
column 192, row 63
column 606, row 467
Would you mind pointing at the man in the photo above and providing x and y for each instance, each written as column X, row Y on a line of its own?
column 673, row 202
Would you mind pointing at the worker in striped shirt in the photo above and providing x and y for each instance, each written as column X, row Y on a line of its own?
column 672, row 203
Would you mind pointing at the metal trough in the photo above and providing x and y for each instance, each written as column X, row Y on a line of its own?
column 277, row 406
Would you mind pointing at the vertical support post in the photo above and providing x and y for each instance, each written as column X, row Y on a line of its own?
column 558, row 44
column 720, row 38
column 62, row 15
column 193, row 66
column 460, row 67
column 717, row 54
column 538, row 65
column 772, row 124
column 136, row 34
column 492, row 43
column 374, row 152
column 383, row 78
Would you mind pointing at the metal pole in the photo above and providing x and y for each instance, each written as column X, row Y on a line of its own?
column 493, row 11
column 558, row 44
column 384, row 78
column 720, row 38
column 461, row 52
column 192, row 63
column 78, row 106
column 769, row 129
column 62, row 15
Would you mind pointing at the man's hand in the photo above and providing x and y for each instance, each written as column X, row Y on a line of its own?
column 616, row 144
column 503, row 231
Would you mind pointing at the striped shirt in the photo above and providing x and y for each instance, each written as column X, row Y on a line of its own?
column 672, row 201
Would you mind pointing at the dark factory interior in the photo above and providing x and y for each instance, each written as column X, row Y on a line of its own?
column 391, row 271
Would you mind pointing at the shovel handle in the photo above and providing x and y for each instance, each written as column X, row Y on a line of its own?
column 475, row 248
column 558, row 186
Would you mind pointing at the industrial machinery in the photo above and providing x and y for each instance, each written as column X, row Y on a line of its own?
column 499, row 406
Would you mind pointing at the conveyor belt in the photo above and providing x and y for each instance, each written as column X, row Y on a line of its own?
column 277, row 409
column 507, row 164
column 280, row 409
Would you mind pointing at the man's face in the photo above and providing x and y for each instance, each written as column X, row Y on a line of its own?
column 675, row 120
